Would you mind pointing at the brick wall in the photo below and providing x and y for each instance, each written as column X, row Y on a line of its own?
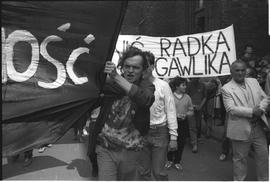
column 155, row 18
column 249, row 17
column 250, row 21
column 179, row 17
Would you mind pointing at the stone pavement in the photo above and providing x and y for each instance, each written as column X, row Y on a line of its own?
column 65, row 160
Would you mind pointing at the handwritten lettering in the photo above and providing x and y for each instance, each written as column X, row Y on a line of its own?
column 12, row 39
column 197, row 55
column 9, row 71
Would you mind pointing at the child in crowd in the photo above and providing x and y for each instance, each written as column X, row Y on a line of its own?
column 184, row 110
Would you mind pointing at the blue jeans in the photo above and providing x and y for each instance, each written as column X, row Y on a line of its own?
column 154, row 155
column 240, row 154
column 119, row 165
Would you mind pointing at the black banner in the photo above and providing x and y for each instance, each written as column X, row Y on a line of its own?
column 53, row 55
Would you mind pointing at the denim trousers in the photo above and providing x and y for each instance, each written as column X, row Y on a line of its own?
column 154, row 155
column 183, row 132
column 257, row 139
column 192, row 124
column 119, row 165
column 225, row 145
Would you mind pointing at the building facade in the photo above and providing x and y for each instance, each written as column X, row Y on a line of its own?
column 182, row 17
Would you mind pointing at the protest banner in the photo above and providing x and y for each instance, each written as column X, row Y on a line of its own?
column 53, row 56
column 198, row 55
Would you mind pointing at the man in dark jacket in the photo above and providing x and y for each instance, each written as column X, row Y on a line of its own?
column 124, row 118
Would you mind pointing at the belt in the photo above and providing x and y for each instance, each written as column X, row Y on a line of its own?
column 155, row 126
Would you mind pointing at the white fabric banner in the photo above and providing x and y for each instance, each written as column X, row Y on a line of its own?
column 197, row 55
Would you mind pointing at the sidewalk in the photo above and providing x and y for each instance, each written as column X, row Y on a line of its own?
column 218, row 132
column 65, row 160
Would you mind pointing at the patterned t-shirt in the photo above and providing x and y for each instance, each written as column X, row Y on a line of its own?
column 119, row 131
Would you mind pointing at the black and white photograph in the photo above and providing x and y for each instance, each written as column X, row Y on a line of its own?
column 166, row 90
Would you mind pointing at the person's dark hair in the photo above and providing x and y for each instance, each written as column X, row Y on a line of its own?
column 214, row 81
column 262, row 74
column 248, row 45
column 150, row 57
column 251, row 72
column 131, row 52
column 176, row 81
column 237, row 62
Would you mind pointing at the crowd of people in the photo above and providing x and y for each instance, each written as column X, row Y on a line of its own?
column 176, row 114
column 142, row 123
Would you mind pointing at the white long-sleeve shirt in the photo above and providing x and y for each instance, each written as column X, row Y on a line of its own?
column 163, row 109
